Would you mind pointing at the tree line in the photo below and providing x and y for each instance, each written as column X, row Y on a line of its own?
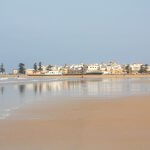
column 22, row 69
column 2, row 69
column 36, row 68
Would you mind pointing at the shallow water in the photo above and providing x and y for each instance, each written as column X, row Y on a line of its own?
column 15, row 93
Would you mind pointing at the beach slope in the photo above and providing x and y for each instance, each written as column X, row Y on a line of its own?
column 121, row 124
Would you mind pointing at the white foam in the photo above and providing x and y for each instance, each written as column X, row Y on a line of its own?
column 21, row 78
column 7, row 112
column 4, row 116
column 3, row 78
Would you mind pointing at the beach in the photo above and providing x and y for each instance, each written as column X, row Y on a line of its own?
column 79, row 76
column 74, row 75
column 79, row 124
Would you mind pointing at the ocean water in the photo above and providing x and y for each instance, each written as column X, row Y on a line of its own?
column 17, row 92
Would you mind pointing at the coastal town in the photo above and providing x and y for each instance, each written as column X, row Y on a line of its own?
column 111, row 68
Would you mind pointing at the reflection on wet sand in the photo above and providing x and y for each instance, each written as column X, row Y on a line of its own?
column 22, row 88
column 15, row 95
column 105, row 87
column 2, row 90
column 102, row 87
column 60, row 86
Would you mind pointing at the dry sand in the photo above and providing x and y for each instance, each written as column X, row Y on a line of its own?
column 122, row 124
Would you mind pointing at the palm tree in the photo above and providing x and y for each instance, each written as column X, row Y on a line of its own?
column 128, row 69
column 40, row 66
column 35, row 67
column 21, row 68
column 2, row 69
column 49, row 67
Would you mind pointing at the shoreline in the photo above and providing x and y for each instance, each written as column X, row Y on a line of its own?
column 77, row 76
column 82, row 124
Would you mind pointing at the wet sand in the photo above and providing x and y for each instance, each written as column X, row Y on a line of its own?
column 79, row 76
column 79, row 124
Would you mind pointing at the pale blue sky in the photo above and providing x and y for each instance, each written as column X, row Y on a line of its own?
column 74, row 31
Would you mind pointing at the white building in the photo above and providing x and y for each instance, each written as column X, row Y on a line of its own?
column 135, row 67
column 56, row 72
column 77, row 67
column 148, row 68
column 29, row 71
column 93, row 68
column 104, row 69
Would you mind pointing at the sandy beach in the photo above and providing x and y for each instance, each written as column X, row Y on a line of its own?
column 79, row 124
column 79, row 76
column 74, row 75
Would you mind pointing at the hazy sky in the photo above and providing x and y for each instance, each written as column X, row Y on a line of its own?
column 74, row 31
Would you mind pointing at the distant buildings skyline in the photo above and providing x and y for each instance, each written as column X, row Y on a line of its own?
column 98, row 68
column 10, row 67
